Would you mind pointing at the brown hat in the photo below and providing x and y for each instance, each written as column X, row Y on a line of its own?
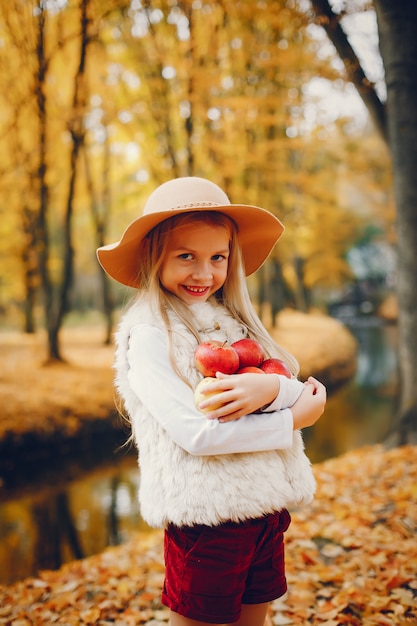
column 258, row 229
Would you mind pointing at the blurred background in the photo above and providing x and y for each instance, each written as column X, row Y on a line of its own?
column 101, row 101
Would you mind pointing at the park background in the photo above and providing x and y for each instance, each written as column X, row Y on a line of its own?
column 101, row 102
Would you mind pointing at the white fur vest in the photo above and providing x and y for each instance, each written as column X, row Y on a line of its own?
column 179, row 488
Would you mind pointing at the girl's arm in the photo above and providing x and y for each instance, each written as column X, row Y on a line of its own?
column 171, row 402
column 241, row 393
column 310, row 405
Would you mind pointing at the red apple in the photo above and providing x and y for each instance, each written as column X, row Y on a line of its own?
column 214, row 356
column 250, row 369
column 250, row 352
column 275, row 366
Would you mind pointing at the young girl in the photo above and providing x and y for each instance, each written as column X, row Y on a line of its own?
column 218, row 482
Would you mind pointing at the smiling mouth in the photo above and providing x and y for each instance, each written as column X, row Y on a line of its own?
column 196, row 290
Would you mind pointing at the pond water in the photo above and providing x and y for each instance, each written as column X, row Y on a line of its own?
column 59, row 518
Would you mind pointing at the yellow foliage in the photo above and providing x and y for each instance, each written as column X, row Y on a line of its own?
column 212, row 89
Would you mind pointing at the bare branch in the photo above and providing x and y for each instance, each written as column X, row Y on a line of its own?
column 330, row 22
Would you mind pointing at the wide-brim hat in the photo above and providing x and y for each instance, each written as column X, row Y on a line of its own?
column 258, row 230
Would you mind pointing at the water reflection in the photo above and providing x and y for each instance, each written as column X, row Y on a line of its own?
column 56, row 521
column 362, row 411
column 48, row 527
column 377, row 357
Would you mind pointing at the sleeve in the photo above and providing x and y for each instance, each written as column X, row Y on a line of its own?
column 171, row 402
column 289, row 392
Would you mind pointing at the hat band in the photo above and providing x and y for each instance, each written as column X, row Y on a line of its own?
column 191, row 205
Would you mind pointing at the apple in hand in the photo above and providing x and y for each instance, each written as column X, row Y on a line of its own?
column 275, row 366
column 199, row 396
column 250, row 369
column 250, row 352
column 214, row 356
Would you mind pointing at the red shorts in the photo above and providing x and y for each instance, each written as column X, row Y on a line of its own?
column 212, row 570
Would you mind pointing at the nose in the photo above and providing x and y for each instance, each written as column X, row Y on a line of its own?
column 203, row 271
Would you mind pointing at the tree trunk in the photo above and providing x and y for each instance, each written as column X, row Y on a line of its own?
column 397, row 26
column 76, row 128
column 397, row 123
column 108, row 301
column 100, row 221
column 302, row 293
column 30, row 269
column 56, row 300
column 42, row 236
column 62, row 303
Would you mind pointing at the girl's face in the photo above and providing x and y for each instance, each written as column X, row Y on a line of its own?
column 196, row 261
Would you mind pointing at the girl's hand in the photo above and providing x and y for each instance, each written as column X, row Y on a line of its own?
column 310, row 405
column 239, row 395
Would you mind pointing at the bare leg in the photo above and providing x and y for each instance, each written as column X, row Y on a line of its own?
column 252, row 615
column 178, row 620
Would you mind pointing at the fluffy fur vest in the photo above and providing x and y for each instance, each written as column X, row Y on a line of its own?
column 179, row 488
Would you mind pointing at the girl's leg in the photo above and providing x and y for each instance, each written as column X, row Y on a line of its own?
column 178, row 620
column 252, row 615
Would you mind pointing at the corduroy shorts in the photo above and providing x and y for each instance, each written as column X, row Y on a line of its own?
column 212, row 570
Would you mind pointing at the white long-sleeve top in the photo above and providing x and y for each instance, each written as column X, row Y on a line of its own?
column 171, row 401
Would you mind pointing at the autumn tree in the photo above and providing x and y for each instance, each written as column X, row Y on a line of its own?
column 216, row 89
column 18, row 163
column 100, row 203
column 39, row 116
column 171, row 89
column 396, row 120
column 56, row 305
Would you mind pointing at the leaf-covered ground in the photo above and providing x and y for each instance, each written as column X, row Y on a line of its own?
column 43, row 400
column 351, row 559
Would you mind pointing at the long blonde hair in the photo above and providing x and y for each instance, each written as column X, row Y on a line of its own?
column 233, row 295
